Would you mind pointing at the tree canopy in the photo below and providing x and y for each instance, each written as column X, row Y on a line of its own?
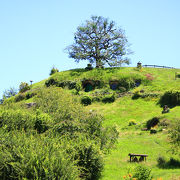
column 100, row 42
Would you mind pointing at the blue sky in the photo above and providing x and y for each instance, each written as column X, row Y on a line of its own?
column 34, row 34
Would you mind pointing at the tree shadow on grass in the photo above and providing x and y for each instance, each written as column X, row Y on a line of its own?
column 171, row 164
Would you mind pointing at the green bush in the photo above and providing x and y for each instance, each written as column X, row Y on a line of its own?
column 142, row 173
column 50, row 82
column 132, row 122
column 23, row 87
column 42, row 122
column 53, row 71
column 86, row 100
column 30, row 94
column 161, row 161
column 170, row 98
column 152, row 122
column 20, row 97
column 30, row 157
column 108, row 98
column 16, row 120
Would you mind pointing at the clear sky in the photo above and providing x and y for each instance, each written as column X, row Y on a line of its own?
column 34, row 33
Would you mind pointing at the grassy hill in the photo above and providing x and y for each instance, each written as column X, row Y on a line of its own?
column 129, row 115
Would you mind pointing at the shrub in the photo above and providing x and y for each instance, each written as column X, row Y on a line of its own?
column 152, row 122
column 136, row 94
column 20, row 97
column 132, row 122
column 89, row 67
column 50, row 82
column 42, row 122
column 127, row 83
column 161, row 161
column 142, row 173
column 30, row 94
column 86, row 100
column 88, row 157
column 170, row 98
column 16, row 120
column 29, row 157
column 53, row 71
column 108, row 98
column 23, row 87
column 96, row 99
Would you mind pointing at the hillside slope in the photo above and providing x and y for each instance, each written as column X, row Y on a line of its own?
column 136, row 94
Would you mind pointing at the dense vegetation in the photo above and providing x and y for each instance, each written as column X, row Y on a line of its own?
column 56, row 130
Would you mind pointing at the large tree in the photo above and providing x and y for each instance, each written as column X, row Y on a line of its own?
column 100, row 42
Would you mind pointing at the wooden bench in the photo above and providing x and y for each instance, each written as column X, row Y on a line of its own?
column 134, row 157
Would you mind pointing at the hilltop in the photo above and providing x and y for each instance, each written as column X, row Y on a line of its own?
column 128, row 99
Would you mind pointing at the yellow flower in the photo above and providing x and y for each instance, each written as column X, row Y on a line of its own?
column 130, row 175
column 124, row 177
column 134, row 178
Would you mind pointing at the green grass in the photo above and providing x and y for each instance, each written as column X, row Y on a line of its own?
column 133, row 140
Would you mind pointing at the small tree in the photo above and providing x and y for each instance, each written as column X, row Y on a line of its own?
column 100, row 42
column 9, row 93
column 23, row 87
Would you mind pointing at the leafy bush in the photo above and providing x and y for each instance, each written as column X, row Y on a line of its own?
column 174, row 135
column 152, row 122
column 142, row 173
column 9, row 93
column 51, row 81
column 23, row 87
column 136, row 93
column 20, row 97
column 108, row 98
column 161, row 161
column 26, row 156
column 56, row 140
column 86, row 100
column 30, row 94
column 53, row 71
column 132, row 122
column 170, row 98
column 16, row 120
column 42, row 122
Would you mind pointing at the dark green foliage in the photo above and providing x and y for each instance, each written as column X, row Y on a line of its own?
column 152, row 122
column 142, row 173
column 54, row 82
column 168, row 164
column 30, row 94
column 170, row 98
column 23, row 87
column 108, row 98
column 20, row 97
column 174, row 135
column 53, row 71
column 42, row 122
column 86, row 100
column 161, row 161
column 51, row 82
column 89, row 67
